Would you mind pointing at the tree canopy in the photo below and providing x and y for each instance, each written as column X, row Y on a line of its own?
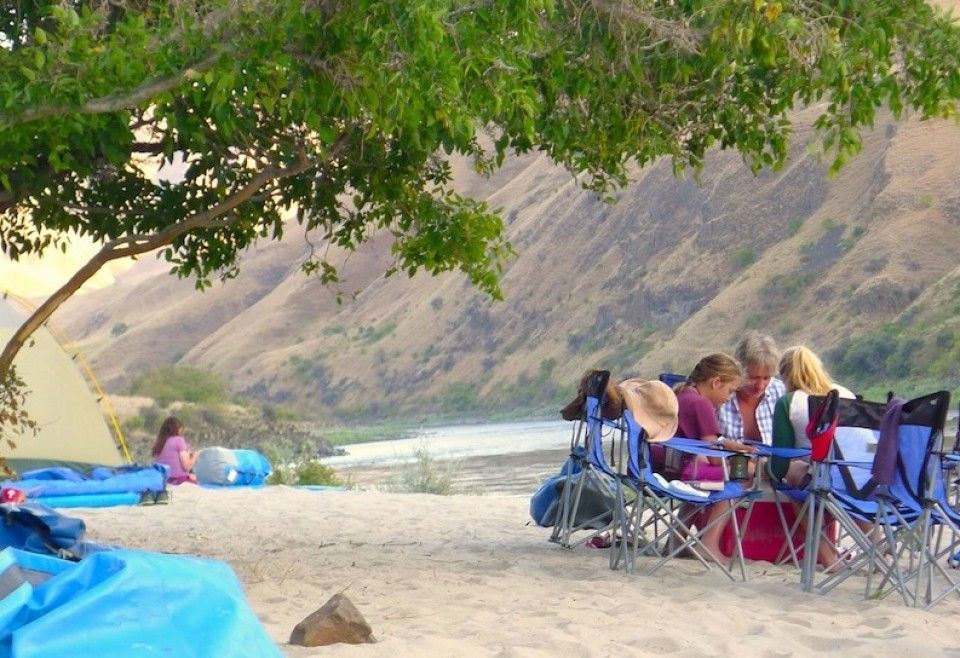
column 342, row 112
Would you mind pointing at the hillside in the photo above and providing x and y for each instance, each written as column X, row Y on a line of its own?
column 673, row 270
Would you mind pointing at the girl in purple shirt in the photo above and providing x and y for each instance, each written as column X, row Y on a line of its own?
column 171, row 450
column 713, row 380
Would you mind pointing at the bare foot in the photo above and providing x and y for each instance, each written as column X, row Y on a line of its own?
column 711, row 553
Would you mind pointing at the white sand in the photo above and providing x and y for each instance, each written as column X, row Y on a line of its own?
column 469, row 576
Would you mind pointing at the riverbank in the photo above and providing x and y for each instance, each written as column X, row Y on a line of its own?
column 510, row 474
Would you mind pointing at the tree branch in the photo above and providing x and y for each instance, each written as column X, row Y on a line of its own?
column 679, row 33
column 7, row 201
column 134, row 245
column 116, row 102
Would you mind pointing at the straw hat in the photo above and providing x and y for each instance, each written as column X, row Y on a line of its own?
column 654, row 405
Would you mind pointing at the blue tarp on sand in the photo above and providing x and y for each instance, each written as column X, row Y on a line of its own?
column 36, row 528
column 125, row 603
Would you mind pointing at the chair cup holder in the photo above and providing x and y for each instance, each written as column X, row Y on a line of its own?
column 820, row 447
column 739, row 468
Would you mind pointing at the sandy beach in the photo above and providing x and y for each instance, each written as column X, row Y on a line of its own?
column 469, row 575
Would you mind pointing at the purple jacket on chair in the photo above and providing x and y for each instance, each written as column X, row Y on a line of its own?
column 885, row 461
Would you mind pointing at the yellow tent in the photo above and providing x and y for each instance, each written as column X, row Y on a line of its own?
column 72, row 428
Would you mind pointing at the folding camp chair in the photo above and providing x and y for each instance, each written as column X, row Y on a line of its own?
column 933, row 538
column 951, row 471
column 672, row 379
column 639, row 522
column 590, row 472
column 861, row 480
column 657, row 526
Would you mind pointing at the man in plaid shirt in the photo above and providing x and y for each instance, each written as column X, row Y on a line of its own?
column 748, row 414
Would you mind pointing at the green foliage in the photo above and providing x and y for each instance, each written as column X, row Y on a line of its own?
column 946, row 339
column 887, row 352
column 133, row 424
column 309, row 472
column 181, row 383
column 15, row 423
column 589, row 341
column 428, row 353
column 628, row 352
column 784, row 288
column 794, row 226
column 754, row 320
column 458, row 397
column 304, row 469
column 119, row 329
column 345, row 112
column 340, row 110
column 423, row 475
column 743, row 257
column 355, row 433
column 370, row 334
column 789, row 327
column 303, row 369
column 847, row 242
column 316, row 473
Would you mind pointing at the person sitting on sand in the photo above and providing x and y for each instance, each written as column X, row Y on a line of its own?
column 171, row 450
column 712, row 382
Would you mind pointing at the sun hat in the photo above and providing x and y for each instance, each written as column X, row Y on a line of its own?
column 654, row 405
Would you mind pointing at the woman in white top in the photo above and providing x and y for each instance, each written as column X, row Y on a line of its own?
column 803, row 375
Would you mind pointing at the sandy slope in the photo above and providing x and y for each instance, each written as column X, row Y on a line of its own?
column 468, row 576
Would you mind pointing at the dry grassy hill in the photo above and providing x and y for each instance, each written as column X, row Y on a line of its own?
column 674, row 269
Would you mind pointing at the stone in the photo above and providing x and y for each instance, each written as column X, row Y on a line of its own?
column 338, row 620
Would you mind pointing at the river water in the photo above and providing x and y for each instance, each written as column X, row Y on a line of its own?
column 459, row 442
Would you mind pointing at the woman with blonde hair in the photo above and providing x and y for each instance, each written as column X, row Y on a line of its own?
column 803, row 374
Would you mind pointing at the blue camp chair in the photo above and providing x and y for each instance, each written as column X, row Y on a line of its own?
column 870, row 502
column 672, row 379
column 657, row 527
column 589, row 472
column 933, row 538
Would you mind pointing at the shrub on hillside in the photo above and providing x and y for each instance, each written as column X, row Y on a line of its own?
column 183, row 384
column 743, row 257
column 886, row 352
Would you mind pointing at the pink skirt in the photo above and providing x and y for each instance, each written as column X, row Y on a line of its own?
column 695, row 471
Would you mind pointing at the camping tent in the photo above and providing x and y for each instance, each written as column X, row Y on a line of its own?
column 72, row 429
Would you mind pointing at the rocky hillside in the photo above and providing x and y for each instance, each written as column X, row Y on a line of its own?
column 862, row 267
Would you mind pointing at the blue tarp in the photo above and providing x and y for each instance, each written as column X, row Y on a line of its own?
column 50, row 484
column 36, row 528
column 125, row 603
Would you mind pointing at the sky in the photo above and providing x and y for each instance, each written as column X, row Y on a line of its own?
column 33, row 277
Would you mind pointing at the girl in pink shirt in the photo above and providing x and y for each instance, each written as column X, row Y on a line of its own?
column 171, row 450
column 713, row 380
